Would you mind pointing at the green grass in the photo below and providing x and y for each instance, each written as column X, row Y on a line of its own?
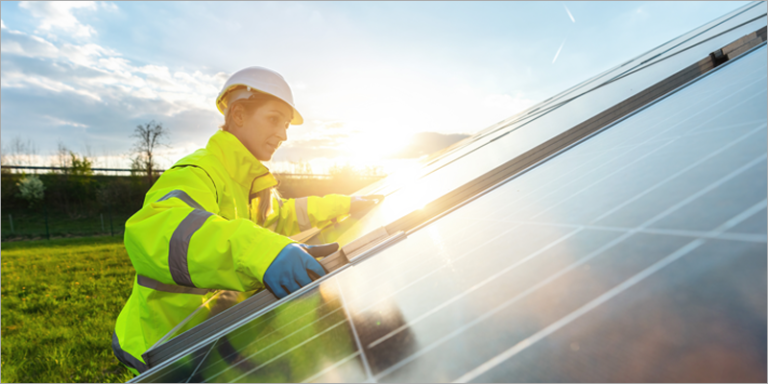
column 60, row 300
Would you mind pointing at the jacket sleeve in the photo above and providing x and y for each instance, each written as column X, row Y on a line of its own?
column 179, row 238
column 292, row 216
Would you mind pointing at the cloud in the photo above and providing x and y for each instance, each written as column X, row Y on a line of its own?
column 18, row 43
column 558, row 52
column 87, row 55
column 90, row 93
column 21, row 80
column 101, row 73
column 109, row 6
column 569, row 13
column 89, row 83
column 58, row 16
column 104, row 124
column 65, row 122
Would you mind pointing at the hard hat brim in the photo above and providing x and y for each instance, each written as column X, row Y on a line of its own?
column 296, row 120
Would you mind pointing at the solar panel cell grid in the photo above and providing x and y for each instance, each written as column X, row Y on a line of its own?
column 667, row 328
column 518, row 135
column 755, row 224
column 636, row 255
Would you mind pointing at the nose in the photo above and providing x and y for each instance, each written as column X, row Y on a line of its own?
column 282, row 133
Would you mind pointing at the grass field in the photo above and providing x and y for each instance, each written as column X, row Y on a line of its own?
column 60, row 299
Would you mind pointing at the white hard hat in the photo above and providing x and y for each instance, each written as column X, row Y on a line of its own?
column 256, row 79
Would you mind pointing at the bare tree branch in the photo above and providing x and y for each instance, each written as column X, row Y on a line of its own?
column 19, row 152
column 148, row 137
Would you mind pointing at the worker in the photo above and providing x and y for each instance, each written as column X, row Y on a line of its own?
column 214, row 220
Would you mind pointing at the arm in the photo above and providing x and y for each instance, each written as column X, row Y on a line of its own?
column 178, row 237
column 298, row 215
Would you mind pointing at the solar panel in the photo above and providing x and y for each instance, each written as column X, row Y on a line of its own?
column 637, row 254
column 723, row 27
column 515, row 136
column 528, row 132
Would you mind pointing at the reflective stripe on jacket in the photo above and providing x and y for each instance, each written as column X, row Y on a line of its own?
column 196, row 233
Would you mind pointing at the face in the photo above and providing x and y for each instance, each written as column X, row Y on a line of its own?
column 264, row 130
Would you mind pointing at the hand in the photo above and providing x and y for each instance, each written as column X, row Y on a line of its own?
column 290, row 269
column 320, row 250
column 362, row 203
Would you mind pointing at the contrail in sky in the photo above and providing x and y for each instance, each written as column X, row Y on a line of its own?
column 569, row 13
column 558, row 52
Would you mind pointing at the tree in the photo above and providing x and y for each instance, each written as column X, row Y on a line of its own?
column 148, row 137
column 62, row 158
column 72, row 163
column 80, row 166
column 19, row 152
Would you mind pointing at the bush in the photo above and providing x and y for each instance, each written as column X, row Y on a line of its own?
column 31, row 189
column 76, row 195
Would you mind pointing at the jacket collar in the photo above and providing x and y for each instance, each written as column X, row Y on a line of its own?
column 241, row 165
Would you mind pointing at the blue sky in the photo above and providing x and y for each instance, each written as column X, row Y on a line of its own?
column 367, row 76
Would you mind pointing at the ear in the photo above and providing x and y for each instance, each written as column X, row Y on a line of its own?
column 238, row 117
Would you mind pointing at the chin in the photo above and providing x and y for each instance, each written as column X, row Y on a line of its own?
column 266, row 156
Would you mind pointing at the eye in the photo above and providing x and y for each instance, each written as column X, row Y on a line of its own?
column 273, row 120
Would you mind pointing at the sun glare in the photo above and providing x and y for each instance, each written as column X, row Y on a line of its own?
column 367, row 147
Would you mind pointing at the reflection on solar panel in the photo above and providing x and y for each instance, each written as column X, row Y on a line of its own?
column 531, row 130
column 636, row 251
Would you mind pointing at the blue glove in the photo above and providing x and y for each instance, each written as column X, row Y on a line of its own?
column 290, row 269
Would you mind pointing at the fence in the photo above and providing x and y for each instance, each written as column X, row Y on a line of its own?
column 79, row 205
column 37, row 225
column 157, row 172
column 96, row 171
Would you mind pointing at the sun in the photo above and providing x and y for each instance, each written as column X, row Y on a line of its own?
column 369, row 147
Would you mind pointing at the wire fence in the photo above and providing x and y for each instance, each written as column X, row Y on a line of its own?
column 88, row 205
column 33, row 169
column 157, row 172
column 41, row 225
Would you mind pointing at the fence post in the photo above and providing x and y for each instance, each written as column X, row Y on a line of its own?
column 11, row 219
column 111, row 226
column 47, row 232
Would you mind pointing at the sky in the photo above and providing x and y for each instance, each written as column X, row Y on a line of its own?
column 378, row 83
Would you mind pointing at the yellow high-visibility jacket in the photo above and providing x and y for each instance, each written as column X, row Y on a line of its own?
column 197, row 233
